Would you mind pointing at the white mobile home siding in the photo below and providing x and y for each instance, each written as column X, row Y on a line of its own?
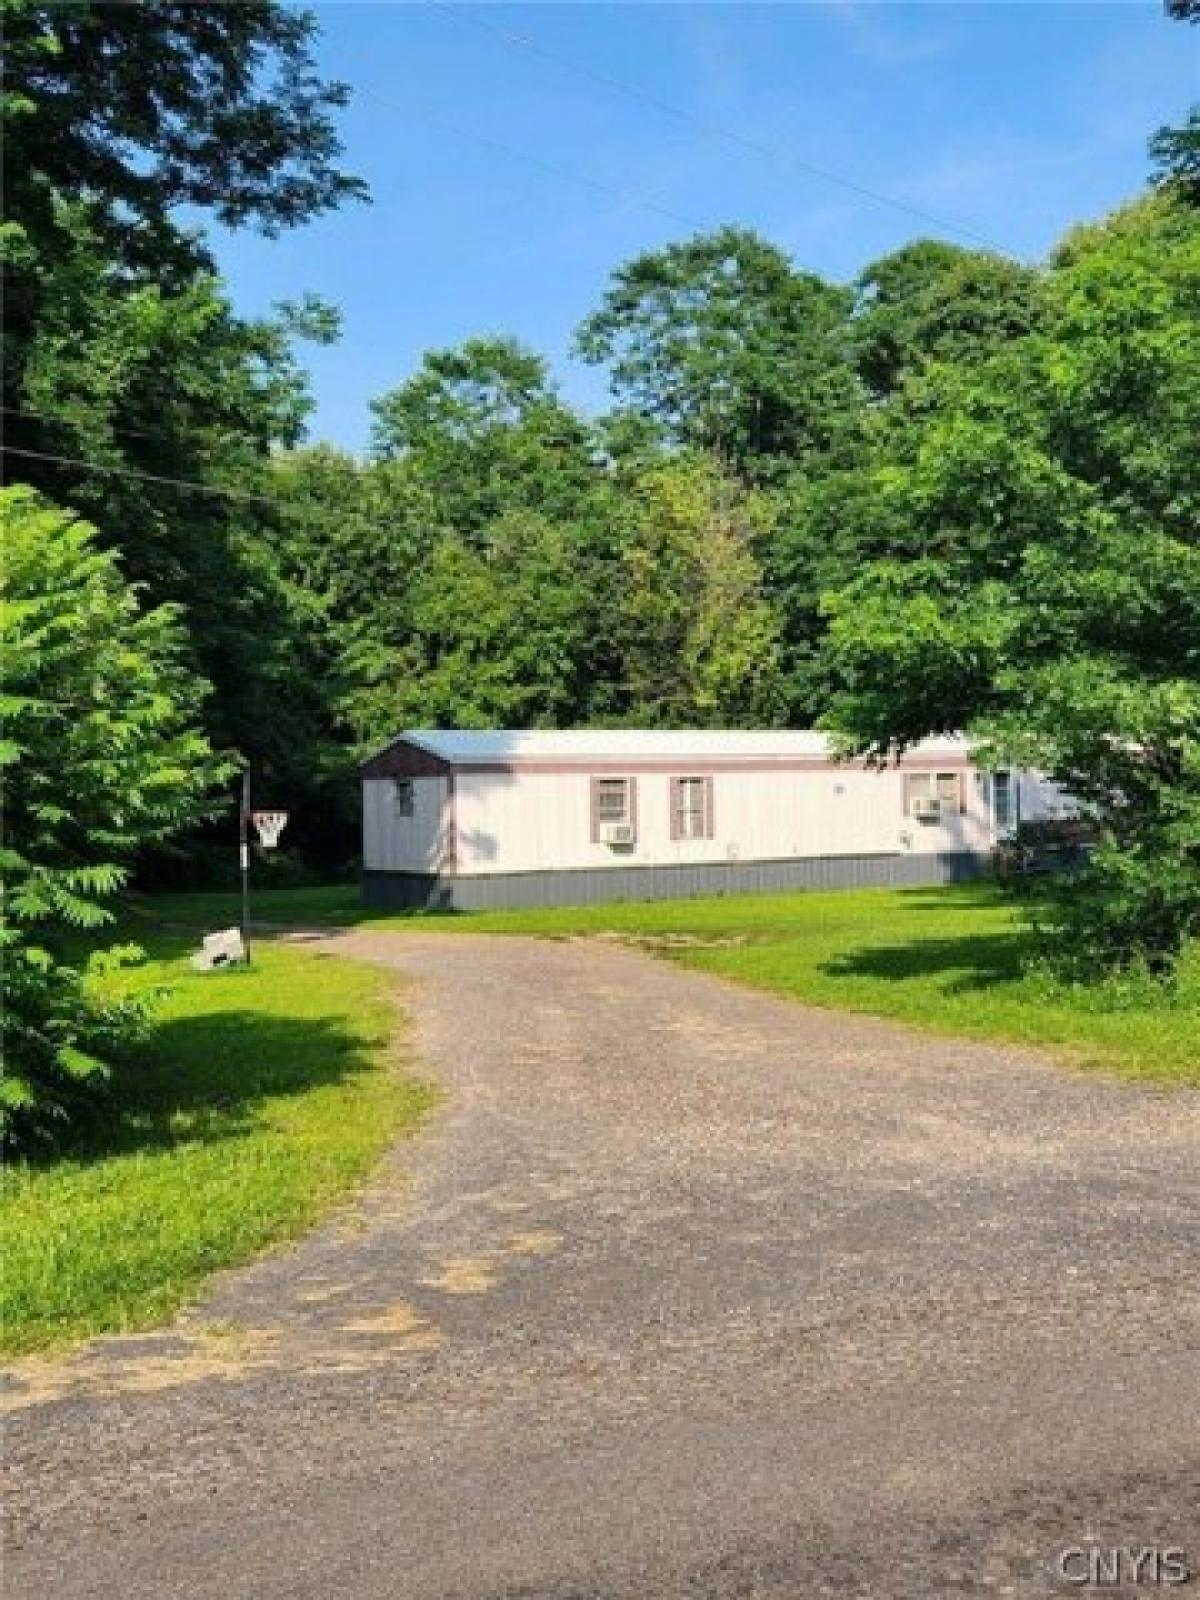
column 530, row 821
column 417, row 843
column 497, row 818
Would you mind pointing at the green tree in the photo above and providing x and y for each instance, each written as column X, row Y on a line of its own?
column 352, row 537
column 695, row 638
column 931, row 301
column 101, row 756
column 117, row 115
column 498, row 503
column 161, row 395
column 1176, row 153
column 1044, row 593
column 497, row 636
column 731, row 348
column 926, row 306
column 144, row 108
column 121, row 350
column 1176, row 150
column 353, row 540
column 481, row 430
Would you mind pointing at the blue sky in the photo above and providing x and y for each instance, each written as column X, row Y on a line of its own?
column 1012, row 120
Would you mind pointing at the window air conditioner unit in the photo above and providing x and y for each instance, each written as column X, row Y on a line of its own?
column 927, row 810
column 616, row 833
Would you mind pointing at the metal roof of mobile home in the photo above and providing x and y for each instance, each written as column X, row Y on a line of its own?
column 466, row 745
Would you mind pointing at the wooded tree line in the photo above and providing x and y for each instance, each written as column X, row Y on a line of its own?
column 960, row 492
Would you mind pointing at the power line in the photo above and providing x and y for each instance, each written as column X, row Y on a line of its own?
column 64, row 421
column 134, row 472
column 316, row 517
column 520, row 41
column 625, row 196
column 192, row 485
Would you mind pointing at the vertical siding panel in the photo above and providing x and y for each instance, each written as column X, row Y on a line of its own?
column 544, row 822
column 450, row 827
column 591, row 886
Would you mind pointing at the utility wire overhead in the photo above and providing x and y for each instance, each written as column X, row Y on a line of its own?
column 520, row 41
column 625, row 196
column 135, row 472
column 315, row 517
column 61, row 419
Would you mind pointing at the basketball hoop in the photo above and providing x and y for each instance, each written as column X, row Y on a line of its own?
column 269, row 825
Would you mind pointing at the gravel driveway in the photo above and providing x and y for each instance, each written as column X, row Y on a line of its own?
column 685, row 1291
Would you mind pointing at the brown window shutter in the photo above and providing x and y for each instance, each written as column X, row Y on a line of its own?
column 708, row 808
column 676, row 800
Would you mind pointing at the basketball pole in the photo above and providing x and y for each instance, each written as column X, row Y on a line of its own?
column 244, row 854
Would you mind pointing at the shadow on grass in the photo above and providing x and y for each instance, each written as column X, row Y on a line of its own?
column 207, row 1077
column 175, row 923
column 979, row 894
column 974, row 962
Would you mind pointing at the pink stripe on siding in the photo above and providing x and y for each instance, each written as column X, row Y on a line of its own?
column 623, row 769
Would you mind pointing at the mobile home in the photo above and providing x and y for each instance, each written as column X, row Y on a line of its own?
column 465, row 820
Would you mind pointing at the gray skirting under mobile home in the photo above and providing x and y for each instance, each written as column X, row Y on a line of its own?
column 587, row 886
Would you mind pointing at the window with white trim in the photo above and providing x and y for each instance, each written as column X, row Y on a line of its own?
column 612, row 800
column 403, row 796
column 932, row 794
column 692, row 810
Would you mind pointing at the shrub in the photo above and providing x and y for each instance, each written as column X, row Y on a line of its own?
column 1051, row 845
column 99, row 756
column 1133, row 909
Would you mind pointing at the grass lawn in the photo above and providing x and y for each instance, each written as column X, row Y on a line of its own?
column 952, row 960
column 266, row 1093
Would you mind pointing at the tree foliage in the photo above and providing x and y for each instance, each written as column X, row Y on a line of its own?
column 935, row 302
column 529, row 569
column 1176, row 150
column 695, row 636
column 101, row 756
column 730, row 347
column 132, row 389
column 139, row 109
column 1045, row 592
column 155, row 412
column 481, row 430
